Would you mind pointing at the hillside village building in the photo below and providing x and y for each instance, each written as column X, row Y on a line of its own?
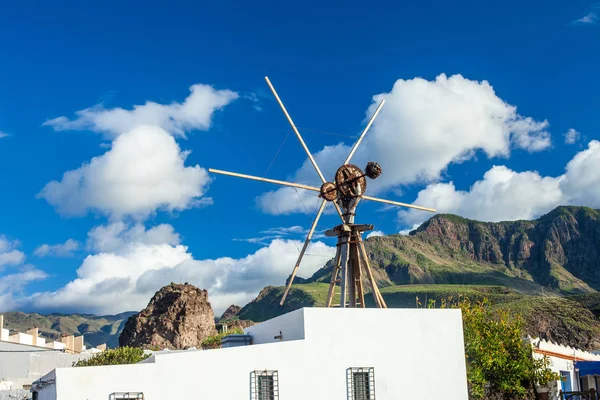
column 310, row 353
column 26, row 357
column 567, row 362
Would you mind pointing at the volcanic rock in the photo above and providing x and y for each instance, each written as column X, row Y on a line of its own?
column 178, row 316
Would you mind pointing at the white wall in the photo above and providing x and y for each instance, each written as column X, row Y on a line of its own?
column 416, row 354
column 290, row 325
column 23, row 364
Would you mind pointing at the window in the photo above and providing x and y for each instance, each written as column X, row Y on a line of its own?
column 264, row 385
column 361, row 383
column 126, row 396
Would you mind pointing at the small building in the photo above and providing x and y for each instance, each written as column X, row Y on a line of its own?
column 310, row 353
column 26, row 357
column 565, row 360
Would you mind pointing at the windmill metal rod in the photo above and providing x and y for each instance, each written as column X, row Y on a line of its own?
column 397, row 203
column 306, row 242
column 257, row 178
column 287, row 115
column 364, row 132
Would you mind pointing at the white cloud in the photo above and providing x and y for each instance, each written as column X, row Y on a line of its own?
column 375, row 233
column 3, row 134
column 143, row 171
column 281, row 233
column 117, row 235
column 424, row 127
column 65, row 249
column 580, row 183
column 504, row 194
column 572, row 136
column 124, row 275
column 589, row 19
column 9, row 255
column 195, row 112
column 11, row 286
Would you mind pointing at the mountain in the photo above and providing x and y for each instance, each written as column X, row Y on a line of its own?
column 547, row 270
column 96, row 329
column 558, row 252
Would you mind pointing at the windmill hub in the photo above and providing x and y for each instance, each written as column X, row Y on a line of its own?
column 349, row 182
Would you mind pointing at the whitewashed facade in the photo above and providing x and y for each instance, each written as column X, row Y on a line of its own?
column 311, row 353
column 563, row 360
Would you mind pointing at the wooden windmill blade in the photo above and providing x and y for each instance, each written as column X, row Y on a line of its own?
column 299, row 136
column 361, row 137
column 304, row 247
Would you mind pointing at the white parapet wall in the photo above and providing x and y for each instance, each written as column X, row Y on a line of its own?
column 412, row 354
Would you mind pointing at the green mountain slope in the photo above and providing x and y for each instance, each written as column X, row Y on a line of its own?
column 96, row 329
column 557, row 253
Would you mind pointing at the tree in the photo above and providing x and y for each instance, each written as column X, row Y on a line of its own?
column 120, row 355
column 499, row 361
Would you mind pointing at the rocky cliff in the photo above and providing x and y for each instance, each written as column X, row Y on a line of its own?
column 177, row 317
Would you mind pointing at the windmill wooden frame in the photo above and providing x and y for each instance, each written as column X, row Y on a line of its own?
column 351, row 261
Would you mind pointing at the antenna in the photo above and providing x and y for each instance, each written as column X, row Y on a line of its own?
column 345, row 192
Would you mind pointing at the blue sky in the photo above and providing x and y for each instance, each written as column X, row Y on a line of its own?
column 480, row 98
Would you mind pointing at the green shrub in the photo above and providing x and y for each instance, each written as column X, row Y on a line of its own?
column 499, row 361
column 120, row 355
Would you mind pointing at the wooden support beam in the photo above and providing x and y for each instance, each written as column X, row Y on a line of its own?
column 376, row 295
column 334, row 280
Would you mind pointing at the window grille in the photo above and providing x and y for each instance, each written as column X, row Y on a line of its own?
column 361, row 383
column 264, row 385
column 126, row 396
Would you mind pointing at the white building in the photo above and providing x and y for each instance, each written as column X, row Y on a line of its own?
column 311, row 353
column 564, row 360
column 26, row 357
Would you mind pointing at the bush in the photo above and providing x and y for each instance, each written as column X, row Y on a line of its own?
column 499, row 361
column 120, row 355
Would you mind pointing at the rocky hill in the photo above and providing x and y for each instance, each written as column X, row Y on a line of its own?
column 96, row 329
column 558, row 252
column 178, row 316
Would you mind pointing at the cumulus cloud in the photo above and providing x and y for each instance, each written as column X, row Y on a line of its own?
column 268, row 235
column 504, row 194
column 195, row 112
column 143, row 171
column 572, row 136
column 124, row 275
column 65, row 249
column 424, row 127
column 9, row 255
column 117, row 235
column 375, row 233
column 11, row 286
column 588, row 19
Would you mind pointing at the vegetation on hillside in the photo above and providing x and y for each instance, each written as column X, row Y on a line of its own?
column 120, row 355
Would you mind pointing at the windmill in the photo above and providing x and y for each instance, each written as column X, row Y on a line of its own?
column 347, row 189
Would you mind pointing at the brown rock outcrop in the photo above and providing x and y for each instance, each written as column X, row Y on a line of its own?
column 177, row 317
